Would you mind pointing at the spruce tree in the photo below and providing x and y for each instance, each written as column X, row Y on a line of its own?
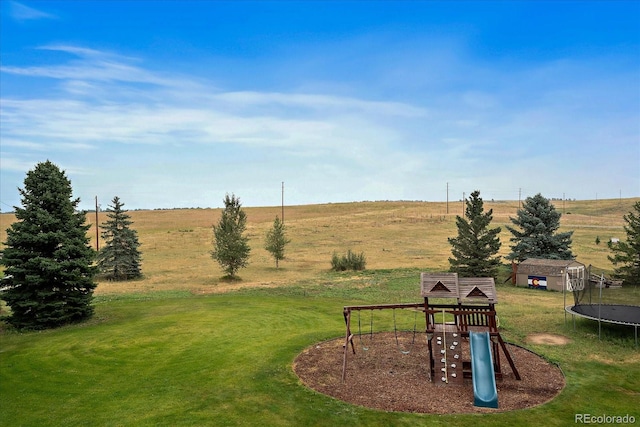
column 537, row 236
column 276, row 240
column 475, row 247
column 626, row 254
column 120, row 258
column 48, row 259
column 231, row 248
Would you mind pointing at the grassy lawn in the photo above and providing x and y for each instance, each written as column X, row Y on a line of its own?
column 183, row 347
column 176, row 358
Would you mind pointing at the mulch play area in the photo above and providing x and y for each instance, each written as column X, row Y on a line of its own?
column 384, row 377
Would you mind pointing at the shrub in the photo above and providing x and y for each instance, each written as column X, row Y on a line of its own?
column 337, row 263
column 350, row 261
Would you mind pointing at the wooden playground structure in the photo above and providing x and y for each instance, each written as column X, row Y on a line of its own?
column 469, row 321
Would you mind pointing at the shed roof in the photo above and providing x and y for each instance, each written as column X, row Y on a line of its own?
column 546, row 266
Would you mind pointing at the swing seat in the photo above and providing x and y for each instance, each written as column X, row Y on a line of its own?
column 395, row 331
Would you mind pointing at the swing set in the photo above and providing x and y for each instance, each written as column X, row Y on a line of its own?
column 369, row 333
column 362, row 336
column 473, row 313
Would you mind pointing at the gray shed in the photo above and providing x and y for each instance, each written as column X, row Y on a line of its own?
column 550, row 274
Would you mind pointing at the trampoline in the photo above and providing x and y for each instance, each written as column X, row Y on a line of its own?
column 609, row 313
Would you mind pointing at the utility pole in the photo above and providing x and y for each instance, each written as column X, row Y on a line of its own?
column 463, row 194
column 519, row 197
column 447, row 198
column 97, row 233
column 283, row 202
column 563, row 203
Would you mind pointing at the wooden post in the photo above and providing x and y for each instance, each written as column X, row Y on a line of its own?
column 97, row 228
column 508, row 356
column 349, row 338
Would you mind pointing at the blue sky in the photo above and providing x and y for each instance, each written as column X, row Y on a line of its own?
column 175, row 103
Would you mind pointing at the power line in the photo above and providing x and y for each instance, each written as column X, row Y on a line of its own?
column 6, row 204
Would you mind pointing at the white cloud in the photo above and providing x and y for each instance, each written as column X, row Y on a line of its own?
column 21, row 144
column 94, row 66
column 94, row 110
column 322, row 102
column 21, row 12
column 15, row 165
column 153, row 138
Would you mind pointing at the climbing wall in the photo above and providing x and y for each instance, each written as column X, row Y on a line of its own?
column 448, row 355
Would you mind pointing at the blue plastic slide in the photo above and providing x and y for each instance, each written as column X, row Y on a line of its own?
column 485, row 393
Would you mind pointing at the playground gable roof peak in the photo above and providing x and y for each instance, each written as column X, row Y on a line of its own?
column 439, row 285
column 449, row 285
column 477, row 289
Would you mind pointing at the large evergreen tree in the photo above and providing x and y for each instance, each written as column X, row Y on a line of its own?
column 475, row 247
column 276, row 240
column 537, row 236
column 231, row 248
column 120, row 258
column 626, row 254
column 47, row 256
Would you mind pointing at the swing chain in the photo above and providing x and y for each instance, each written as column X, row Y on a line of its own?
column 365, row 348
column 395, row 331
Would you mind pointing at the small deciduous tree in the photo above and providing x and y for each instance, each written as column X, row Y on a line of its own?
column 537, row 236
column 231, row 248
column 475, row 247
column 626, row 254
column 120, row 258
column 49, row 263
column 275, row 240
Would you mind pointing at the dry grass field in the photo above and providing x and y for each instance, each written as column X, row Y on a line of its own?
column 176, row 244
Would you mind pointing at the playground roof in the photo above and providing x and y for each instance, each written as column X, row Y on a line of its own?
column 479, row 289
column 439, row 285
column 449, row 285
